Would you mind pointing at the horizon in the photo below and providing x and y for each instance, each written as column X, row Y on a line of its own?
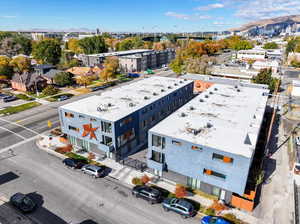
column 172, row 16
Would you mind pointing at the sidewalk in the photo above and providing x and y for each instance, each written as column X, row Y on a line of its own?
column 125, row 175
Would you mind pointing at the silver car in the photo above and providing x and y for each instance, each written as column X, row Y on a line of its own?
column 93, row 170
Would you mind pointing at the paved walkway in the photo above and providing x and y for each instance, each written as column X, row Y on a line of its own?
column 125, row 174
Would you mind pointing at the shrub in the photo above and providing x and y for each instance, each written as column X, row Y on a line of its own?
column 180, row 191
column 218, row 206
column 209, row 211
column 231, row 217
column 91, row 156
column 50, row 90
column 64, row 150
column 137, row 181
column 76, row 156
column 171, row 195
column 56, row 132
column 145, row 179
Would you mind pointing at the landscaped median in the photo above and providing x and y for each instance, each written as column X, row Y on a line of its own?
column 19, row 108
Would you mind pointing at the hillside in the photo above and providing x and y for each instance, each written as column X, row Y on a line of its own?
column 264, row 22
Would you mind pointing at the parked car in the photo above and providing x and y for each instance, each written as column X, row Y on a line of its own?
column 297, row 139
column 149, row 194
column 214, row 220
column 73, row 163
column 23, row 202
column 133, row 75
column 2, row 95
column 63, row 97
column 94, row 171
column 101, row 87
column 180, row 206
column 9, row 99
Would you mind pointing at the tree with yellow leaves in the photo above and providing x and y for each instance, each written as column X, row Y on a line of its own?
column 73, row 45
column 84, row 80
column 6, row 69
column 111, row 66
column 21, row 64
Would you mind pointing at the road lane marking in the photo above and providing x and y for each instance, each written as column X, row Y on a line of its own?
column 19, row 143
column 14, row 123
column 5, row 129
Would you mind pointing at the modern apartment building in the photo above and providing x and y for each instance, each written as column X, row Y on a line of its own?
column 254, row 54
column 116, row 123
column 209, row 143
column 133, row 60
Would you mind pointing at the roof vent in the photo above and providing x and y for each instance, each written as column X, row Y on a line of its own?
column 131, row 104
column 162, row 90
column 216, row 89
column 185, row 79
column 155, row 94
column 192, row 108
column 211, row 93
column 201, row 100
column 109, row 105
column 146, row 98
column 175, row 84
column 209, row 125
column 180, row 81
column 100, row 109
column 206, row 96
column 238, row 90
column 169, row 87
column 183, row 114
column 236, row 86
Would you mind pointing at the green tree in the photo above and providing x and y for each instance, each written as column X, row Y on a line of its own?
column 177, row 65
column 93, row 45
column 271, row 45
column 125, row 45
column 21, row 64
column 47, row 51
column 265, row 77
column 25, row 43
column 291, row 45
column 50, row 90
column 6, row 70
column 12, row 44
column 63, row 78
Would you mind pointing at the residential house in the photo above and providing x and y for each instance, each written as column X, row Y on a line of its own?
column 84, row 71
column 28, row 81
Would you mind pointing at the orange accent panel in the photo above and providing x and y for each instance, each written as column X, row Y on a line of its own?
column 208, row 172
column 242, row 203
column 227, row 159
column 89, row 130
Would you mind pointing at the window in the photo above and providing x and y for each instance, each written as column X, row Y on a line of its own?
column 81, row 116
column 106, row 127
column 73, row 128
column 196, row 148
column 144, row 111
column 158, row 157
column 106, row 140
column 127, row 136
column 144, row 124
column 213, row 173
column 125, row 121
column 158, row 141
column 69, row 115
column 153, row 118
column 176, row 143
column 222, row 158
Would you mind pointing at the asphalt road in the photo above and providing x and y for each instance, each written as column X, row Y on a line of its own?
column 68, row 196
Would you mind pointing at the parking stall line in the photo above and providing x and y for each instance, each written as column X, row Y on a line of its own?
column 20, row 136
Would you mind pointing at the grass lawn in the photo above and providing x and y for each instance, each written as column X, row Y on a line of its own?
column 16, row 109
column 55, row 98
column 83, row 90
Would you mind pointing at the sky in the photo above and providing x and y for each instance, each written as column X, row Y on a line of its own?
column 140, row 15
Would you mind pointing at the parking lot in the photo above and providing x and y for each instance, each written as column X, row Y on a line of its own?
column 12, row 103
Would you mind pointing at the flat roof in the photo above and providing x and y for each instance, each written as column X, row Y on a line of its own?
column 224, row 117
column 120, row 53
column 117, row 103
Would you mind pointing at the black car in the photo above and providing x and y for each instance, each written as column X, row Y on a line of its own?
column 23, row 202
column 150, row 194
column 73, row 163
column 180, row 206
column 9, row 99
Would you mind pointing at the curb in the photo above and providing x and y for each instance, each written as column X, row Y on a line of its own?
column 49, row 151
